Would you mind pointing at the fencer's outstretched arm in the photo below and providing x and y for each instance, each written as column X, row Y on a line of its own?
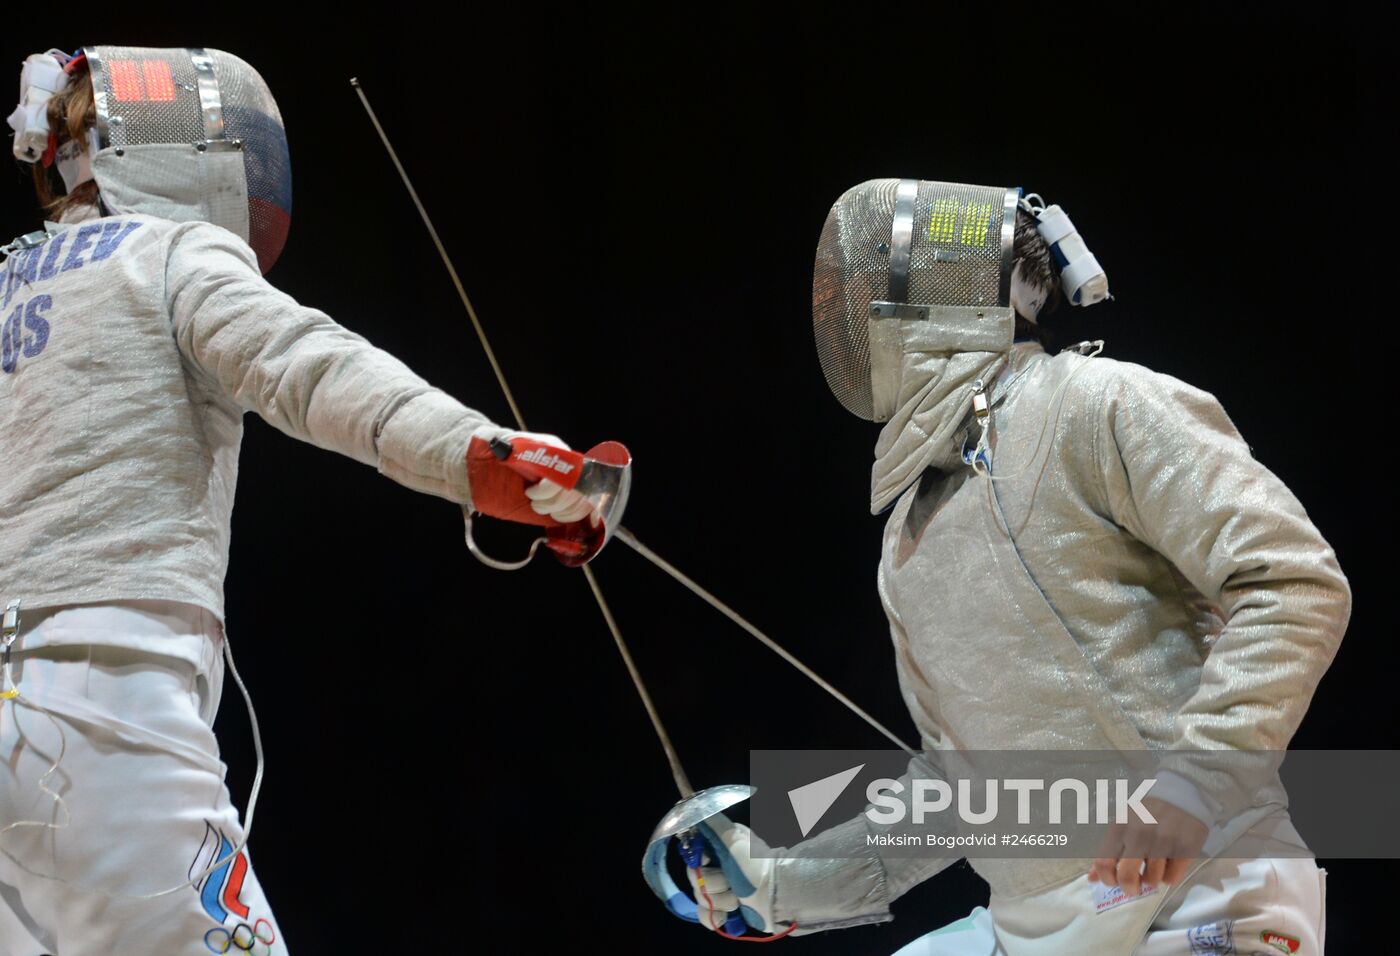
column 1178, row 476
column 836, row 879
column 305, row 374
column 861, row 879
column 839, row 877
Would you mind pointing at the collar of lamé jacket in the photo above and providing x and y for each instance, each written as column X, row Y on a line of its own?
column 934, row 413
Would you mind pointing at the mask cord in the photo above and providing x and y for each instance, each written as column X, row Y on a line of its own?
column 980, row 466
column 19, row 699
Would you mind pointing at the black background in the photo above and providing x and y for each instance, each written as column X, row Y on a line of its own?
column 456, row 760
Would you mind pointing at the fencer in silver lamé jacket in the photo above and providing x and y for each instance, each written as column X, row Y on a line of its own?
column 1134, row 579
column 132, row 347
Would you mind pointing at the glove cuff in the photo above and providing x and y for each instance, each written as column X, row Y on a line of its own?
column 845, row 886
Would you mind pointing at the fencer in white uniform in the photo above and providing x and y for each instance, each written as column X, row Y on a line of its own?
column 137, row 330
column 1080, row 554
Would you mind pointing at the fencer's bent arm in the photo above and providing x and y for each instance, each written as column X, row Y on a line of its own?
column 1178, row 476
column 306, row 375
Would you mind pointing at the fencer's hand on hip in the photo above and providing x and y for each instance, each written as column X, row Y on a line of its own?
column 1138, row 854
column 731, row 877
column 548, row 498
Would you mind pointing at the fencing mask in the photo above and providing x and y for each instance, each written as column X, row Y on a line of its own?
column 911, row 307
column 191, row 134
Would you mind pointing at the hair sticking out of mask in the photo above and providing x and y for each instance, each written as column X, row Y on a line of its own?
column 72, row 113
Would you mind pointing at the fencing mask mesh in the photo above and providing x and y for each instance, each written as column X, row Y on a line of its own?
column 902, row 243
column 192, row 134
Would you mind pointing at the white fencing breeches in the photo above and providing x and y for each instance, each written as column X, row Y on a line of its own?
column 146, row 809
column 1267, row 906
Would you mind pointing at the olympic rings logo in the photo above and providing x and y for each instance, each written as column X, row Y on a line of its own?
column 243, row 938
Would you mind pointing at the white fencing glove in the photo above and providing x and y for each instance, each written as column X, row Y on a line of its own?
column 738, row 881
column 548, row 498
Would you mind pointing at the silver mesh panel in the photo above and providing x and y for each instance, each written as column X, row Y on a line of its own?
column 147, row 95
column 251, row 116
column 958, row 256
column 151, row 96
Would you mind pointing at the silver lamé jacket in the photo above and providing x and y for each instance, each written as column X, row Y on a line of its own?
column 130, row 349
column 1134, row 580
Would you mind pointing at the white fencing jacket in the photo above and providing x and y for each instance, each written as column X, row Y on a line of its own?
column 130, row 348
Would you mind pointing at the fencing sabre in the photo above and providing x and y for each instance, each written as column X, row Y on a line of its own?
column 694, row 807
